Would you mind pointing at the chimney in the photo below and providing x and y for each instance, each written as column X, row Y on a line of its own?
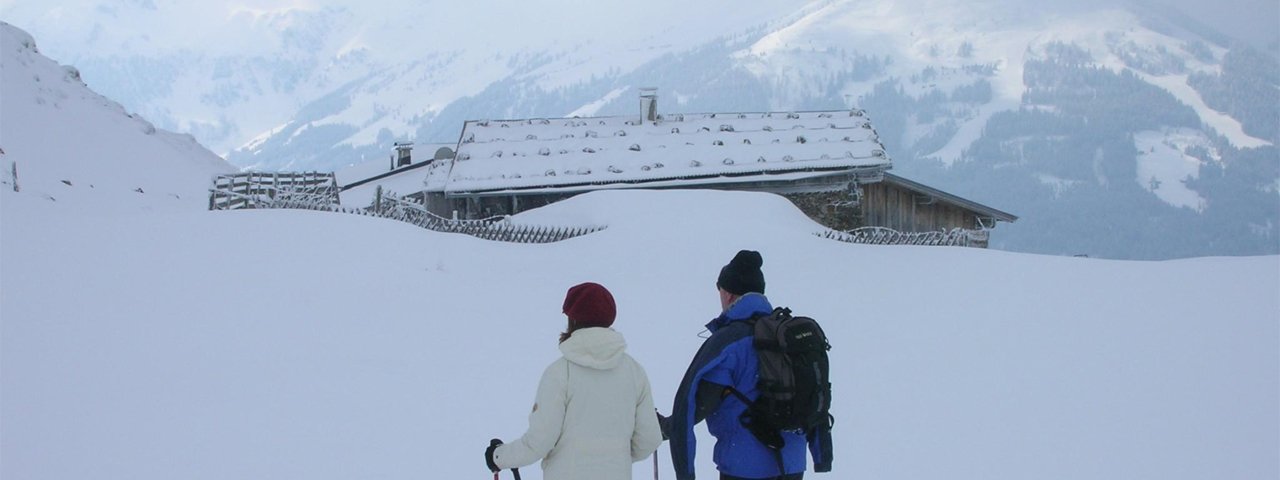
column 404, row 153
column 648, row 104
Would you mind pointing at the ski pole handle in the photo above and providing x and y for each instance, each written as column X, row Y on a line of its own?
column 516, row 473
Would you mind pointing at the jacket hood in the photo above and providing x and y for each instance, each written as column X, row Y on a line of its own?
column 595, row 347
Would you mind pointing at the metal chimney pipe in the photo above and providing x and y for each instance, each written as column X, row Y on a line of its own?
column 649, row 104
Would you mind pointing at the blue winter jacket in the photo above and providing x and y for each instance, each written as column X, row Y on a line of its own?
column 728, row 358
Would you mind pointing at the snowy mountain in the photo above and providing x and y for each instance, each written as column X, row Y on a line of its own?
column 145, row 337
column 996, row 100
column 66, row 144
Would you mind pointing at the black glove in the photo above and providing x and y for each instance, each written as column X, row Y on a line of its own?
column 664, row 425
column 488, row 455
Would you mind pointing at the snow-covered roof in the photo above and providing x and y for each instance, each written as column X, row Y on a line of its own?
column 403, row 181
column 566, row 153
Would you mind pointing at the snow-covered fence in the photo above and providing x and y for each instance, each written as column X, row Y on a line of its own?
column 271, row 190
column 389, row 205
column 310, row 191
column 956, row 237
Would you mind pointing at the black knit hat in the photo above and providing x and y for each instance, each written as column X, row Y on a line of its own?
column 742, row 275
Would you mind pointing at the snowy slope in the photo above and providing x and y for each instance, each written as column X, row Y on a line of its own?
column 71, row 145
column 336, row 346
column 184, row 343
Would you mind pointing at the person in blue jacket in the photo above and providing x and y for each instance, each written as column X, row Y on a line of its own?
column 727, row 360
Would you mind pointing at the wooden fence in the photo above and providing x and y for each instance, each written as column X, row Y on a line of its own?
column 264, row 190
column 956, row 237
column 312, row 191
column 390, row 205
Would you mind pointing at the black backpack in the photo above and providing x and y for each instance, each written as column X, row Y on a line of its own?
column 794, row 378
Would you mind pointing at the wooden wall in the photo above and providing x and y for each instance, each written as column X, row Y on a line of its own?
column 886, row 205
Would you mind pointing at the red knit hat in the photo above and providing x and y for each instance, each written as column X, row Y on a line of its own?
column 590, row 305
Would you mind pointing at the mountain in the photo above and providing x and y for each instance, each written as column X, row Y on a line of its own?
column 63, row 142
column 1114, row 130
column 145, row 337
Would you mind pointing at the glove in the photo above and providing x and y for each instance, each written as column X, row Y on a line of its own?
column 664, row 425
column 488, row 455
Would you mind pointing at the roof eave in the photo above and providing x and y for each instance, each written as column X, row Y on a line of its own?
column 981, row 209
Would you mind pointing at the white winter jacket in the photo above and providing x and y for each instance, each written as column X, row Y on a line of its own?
column 593, row 416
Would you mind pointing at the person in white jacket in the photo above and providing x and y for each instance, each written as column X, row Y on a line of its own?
column 593, row 416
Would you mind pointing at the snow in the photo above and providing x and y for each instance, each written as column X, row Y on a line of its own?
column 403, row 183
column 1220, row 122
column 563, row 152
column 144, row 337
column 1162, row 160
column 590, row 109
column 325, row 346
column 420, row 56
column 72, row 145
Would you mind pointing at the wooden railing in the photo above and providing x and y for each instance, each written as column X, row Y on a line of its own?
column 390, row 205
column 956, row 237
column 314, row 191
column 262, row 190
